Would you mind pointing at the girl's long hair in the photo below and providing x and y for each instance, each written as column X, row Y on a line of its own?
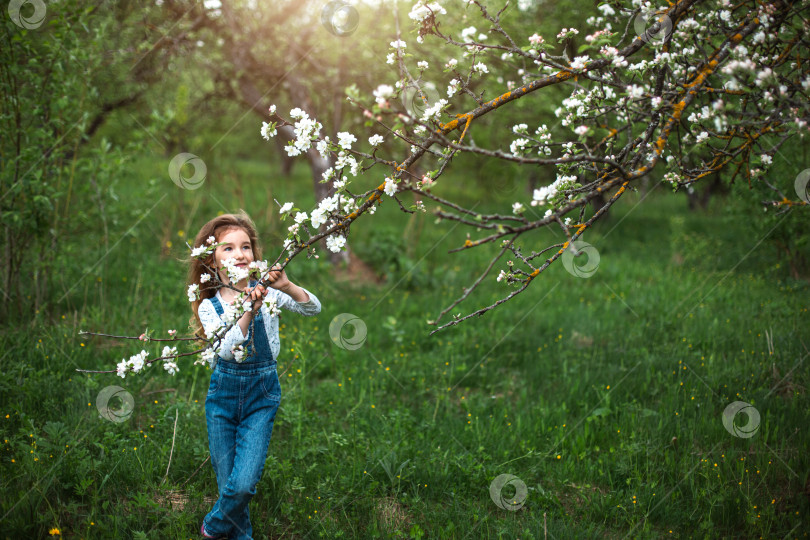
column 217, row 227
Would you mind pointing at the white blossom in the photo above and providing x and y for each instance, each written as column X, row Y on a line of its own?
column 453, row 87
column 375, row 140
column 635, row 91
column 467, row 33
column 334, row 243
column 383, row 92
column 267, row 131
column 323, row 147
column 170, row 366
column 547, row 193
column 137, row 361
column 193, row 291
column 518, row 146
column 434, row 110
column 286, row 207
column 345, row 139
column 480, row 67
column 536, row 39
column 390, row 187
column 197, row 251
column 419, row 12
column 579, row 62
column 606, row 10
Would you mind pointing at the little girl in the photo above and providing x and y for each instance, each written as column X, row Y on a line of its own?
column 244, row 393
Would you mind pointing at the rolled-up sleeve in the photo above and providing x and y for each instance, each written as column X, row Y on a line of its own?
column 308, row 309
column 212, row 322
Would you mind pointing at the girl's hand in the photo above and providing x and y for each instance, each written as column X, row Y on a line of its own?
column 278, row 279
column 256, row 294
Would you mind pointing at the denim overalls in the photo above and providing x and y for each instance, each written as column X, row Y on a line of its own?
column 240, row 408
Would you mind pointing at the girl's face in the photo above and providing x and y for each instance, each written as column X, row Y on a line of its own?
column 236, row 246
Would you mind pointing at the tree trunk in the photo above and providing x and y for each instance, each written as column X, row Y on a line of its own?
column 701, row 198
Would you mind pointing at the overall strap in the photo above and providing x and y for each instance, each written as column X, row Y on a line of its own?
column 217, row 305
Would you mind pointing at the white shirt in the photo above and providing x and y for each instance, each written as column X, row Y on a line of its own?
column 211, row 321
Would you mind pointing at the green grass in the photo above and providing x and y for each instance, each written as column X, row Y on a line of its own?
column 603, row 395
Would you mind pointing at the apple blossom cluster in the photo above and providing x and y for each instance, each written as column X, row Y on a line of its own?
column 453, row 87
column 269, row 129
column 169, row 364
column 382, row 93
column 422, row 10
column 390, row 186
column 306, row 130
column 334, row 208
column 551, row 193
column 135, row 364
column 434, row 111
column 399, row 48
column 525, row 143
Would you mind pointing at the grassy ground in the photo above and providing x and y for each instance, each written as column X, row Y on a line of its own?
column 604, row 396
